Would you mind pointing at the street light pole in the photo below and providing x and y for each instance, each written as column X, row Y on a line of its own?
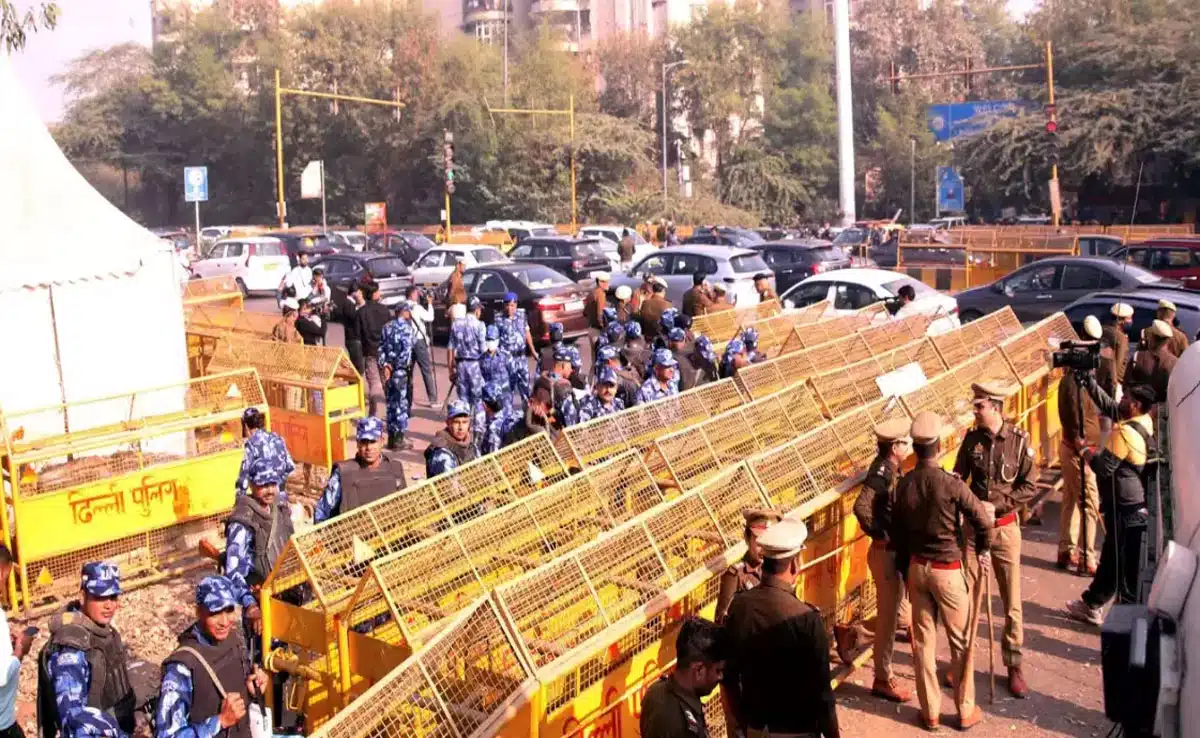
column 912, row 183
column 845, row 111
column 666, row 66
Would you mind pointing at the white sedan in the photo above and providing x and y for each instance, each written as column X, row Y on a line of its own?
column 435, row 265
column 851, row 289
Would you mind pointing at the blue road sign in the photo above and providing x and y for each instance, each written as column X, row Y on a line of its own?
column 948, row 121
column 195, row 184
column 949, row 190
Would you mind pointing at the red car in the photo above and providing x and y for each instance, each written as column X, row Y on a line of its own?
column 1171, row 257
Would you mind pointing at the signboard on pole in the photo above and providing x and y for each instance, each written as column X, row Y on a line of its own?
column 195, row 184
column 376, row 213
column 311, row 184
column 949, row 190
column 948, row 121
column 1055, row 199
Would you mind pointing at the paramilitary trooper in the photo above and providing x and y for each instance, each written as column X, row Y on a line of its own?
column 996, row 462
column 516, row 343
column 371, row 475
column 467, row 339
column 747, row 573
column 873, row 508
column 672, row 707
column 262, row 444
column 452, row 446
column 603, row 400
column 493, row 365
column 659, row 385
column 395, row 367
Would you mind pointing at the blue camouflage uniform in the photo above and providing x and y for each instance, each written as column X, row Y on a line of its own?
column 512, row 345
column 651, row 389
column 497, row 428
column 732, row 349
column 172, row 716
column 239, row 543
column 750, row 341
column 565, row 407
column 330, row 505
column 263, row 444
column 675, row 335
column 592, row 407
column 667, row 320
column 467, row 339
column 439, row 460
column 71, row 673
column 396, row 352
column 494, row 365
column 705, row 348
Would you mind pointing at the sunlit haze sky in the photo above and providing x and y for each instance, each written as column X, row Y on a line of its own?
column 85, row 25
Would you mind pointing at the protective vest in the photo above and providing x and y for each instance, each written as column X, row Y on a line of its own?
column 229, row 663
column 362, row 485
column 462, row 452
column 271, row 529
column 109, row 690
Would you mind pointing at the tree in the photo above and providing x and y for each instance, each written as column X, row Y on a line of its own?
column 15, row 26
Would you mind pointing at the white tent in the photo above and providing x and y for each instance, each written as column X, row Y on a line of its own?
column 89, row 301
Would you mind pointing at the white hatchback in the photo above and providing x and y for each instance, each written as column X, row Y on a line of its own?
column 852, row 289
column 256, row 263
column 435, row 265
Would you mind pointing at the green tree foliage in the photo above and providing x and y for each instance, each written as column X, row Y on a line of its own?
column 17, row 23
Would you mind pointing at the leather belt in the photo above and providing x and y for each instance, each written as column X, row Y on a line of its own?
column 1008, row 519
column 943, row 565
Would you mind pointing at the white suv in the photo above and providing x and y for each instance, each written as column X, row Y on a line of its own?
column 256, row 263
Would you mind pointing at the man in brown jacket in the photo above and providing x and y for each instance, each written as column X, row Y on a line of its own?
column 1153, row 363
column 652, row 309
column 1179, row 340
column 1114, row 354
column 697, row 300
column 285, row 329
column 456, row 291
column 597, row 300
column 1080, row 514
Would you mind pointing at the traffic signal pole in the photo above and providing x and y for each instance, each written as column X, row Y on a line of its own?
column 1052, row 126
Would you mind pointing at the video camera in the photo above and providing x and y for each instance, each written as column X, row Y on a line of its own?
column 1078, row 356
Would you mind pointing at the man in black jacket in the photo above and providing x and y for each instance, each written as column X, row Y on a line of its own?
column 346, row 304
column 372, row 317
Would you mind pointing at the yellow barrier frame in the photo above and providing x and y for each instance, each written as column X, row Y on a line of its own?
column 218, row 291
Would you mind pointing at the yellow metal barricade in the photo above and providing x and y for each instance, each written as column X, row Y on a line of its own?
column 218, row 319
column 314, row 392
column 217, row 291
column 775, row 331
column 724, row 325
column 136, row 478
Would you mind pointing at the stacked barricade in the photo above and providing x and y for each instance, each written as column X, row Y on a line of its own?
column 137, row 478
column 775, row 331
column 724, row 325
column 218, row 319
column 216, row 291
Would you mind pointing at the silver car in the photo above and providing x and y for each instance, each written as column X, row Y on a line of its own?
column 734, row 268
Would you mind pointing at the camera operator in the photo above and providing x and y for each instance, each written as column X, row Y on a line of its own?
column 1080, row 502
column 1118, row 469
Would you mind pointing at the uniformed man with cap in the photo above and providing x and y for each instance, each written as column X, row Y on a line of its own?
column 603, row 401
column 677, row 343
column 262, row 444
column 1179, row 340
column 255, row 534
column 777, row 674
column 566, row 406
column 652, row 309
column 1153, row 362
column 635, row 351
column 84, row 664
column 371, row 475
column 395, row 364
column 734, row 358
column 208, row 681
column 516, row 344
column 719, row 302
column 750, row 341
column 762, row 285
column 747, row 573
column 493, row 365
column 996, row 462
column 1114, row 339
column 593, row 308
column 499, row 418
column 452, row 446
column 628, row 380
column 468, row 337
column 671, row 707
column 557, row 344
column 873, row 508
column 659, row 386
column 924, row 532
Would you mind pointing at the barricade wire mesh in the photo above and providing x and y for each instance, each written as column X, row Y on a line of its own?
column 203, row 290
column 724, row 325
column 775, row 331
column 313, row 366
column 209, row 318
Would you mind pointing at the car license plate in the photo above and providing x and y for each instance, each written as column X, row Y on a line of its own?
column 270, row 266
column 574, row 305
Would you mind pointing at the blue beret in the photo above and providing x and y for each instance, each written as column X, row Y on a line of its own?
column 734, row 346
column 556, row 329
column 609, row 313
column 263, row 473
column 90, row 721
column 562, row 353
column 750, row 335
column 614, row 331
column 215, row 594
column 606, row 376
column 369, row 429
column 492, row 394
column 100, row 579
column 473, row 303
column 676, row 334
column 607, row 353
column 667, row 319
column 457, row 409
column 633, row 329
column 492, row 333
column 510, row 296
column 664, row 357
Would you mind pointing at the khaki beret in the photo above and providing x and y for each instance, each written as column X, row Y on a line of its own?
column 601, row 276
column 996, row 391
column 1161, row 328
column 783, row 540
column 893, row 430
column 718, row 287
column 1122, row 310
column 926, row 427
column 761, row 516
column 1167, row 305
column 1091, row 328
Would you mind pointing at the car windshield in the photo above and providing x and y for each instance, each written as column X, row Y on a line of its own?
column 419, row 241
column 1140, row 274
column 389, row 267
column 827, row 253
column 489, row 256
column 213, row 251
column 586, row 250
column 358, row 240
column 850, row 237
column 894, row 286
column 541, row 278
column 747, row 263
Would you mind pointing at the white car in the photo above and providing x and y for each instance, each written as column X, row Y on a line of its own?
column 435, row 265
column 356, row 240
column 516, row 229
column 852, row 289
column 212, row 234
column 610, row 238
column 257, row 263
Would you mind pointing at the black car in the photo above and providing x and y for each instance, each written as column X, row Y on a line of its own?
column 408, row 245
column 1046, row 286
column 723, row 236
column 312, row 244
column 1145, row 306
column 546, row 295
column 387, row 271
column 794, row 260
column 577, row 258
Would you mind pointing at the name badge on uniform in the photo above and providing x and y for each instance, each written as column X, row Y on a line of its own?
column 693, row 725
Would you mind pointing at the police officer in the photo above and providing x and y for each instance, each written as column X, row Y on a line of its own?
column 659, row 385
column 652, row 309
column 91, row 723
column 499, row 418
column 777, row 674
column 262, row 444
column 719, row 303
column 516, row 344
column 371, row 475
column 593, row 309
column 255, row 534
column 628, row 379
column 734, row 358
column 467, row 339
column 671, row 707
column 1179, row 340
column 625, row 307
column 208, row 680
column 613, row 336
column 873, row 508
column 747, row 573
column 603, row 401
column 395, row 365
column 996, row 462
column 566, row 407
column 762, row 285
column 451, row 446
column 1115, row 340
column 635, row 351
column 750, row 340
column 84, row 664
column 493, row 365
column 1153, row 363
column 924, row 531
column 697, row 299
column 1079, row 514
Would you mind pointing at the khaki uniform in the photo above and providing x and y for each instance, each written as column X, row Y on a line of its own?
column 1178, row 343
column 696, row 301
column 1081, row 497
column 1112, row 371
column 999, row 470
column 652, row 309
column 924, row 531
column 669, row 712
column 873, row 508
column 738, row 578
column 719, row 304
column 456, row 291
column 286, row 332
column 1152, row 367
column 593, row 310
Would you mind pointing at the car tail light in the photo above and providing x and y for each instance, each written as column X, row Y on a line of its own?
column 818, row 267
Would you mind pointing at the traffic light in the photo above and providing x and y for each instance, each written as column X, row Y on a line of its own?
column 448, row 160
column 1051, row 127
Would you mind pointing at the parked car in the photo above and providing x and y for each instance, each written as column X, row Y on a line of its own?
column 257, row 263
column 1098, row 244
column 408, row 245
column 733, row 267
column 1145, row 304
column 388, row 272
column 779, row 234
column 1048, row 285
column 356, row 240
column 578, row 259
column 853, row 289
column 313, row 245
column 546, row 296
column 177, row 237
column 435, row 265
column 795, row 260
column 1172, row 257
column 723, row 236
column 516, row 229
column 212, row 234
column 610, row 239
